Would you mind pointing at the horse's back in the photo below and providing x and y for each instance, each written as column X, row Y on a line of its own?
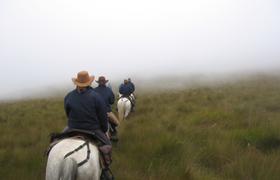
column 89, row 170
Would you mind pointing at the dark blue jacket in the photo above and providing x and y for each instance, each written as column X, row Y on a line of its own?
column 132, row 87
column 86, row 110
column 107, row 94
column 125, row 89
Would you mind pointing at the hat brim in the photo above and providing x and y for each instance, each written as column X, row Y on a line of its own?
column 75, row 81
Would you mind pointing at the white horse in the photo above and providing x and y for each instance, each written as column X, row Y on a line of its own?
column 64, row 163
column 124, row 107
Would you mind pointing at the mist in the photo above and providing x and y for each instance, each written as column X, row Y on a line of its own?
column 43, row 44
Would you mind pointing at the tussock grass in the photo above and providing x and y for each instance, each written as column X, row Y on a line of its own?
column 25, row 127
column 230, row 131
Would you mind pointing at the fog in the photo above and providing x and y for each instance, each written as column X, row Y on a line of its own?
column 43, row 44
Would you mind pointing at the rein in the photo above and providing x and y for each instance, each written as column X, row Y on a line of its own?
column 77, row 149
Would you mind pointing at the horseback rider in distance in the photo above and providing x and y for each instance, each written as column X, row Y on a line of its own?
column 107, row 94
column 131, row 84
column 126, row 90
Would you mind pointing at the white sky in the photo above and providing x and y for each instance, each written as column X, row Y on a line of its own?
column 48, row 42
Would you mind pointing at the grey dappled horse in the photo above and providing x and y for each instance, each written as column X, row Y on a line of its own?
column 64, row 163
column 124, row 107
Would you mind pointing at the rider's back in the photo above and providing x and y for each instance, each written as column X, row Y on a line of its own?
column 107, row 94
column 85, row 110
column 125, row 89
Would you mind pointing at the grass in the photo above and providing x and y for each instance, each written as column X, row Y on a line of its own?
column 229, row 131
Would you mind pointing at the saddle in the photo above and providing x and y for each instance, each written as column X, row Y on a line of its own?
column 89, row 135
column 74, row 133
column 130, row 98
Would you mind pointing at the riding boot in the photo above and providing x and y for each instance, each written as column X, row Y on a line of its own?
column 114, row 132
column 132, row 107
column 106, row 174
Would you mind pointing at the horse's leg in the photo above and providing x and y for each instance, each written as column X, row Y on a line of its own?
column 52, row 174
column 121, row 110
column 53, row 168
column 60, row 168
column 127, row 108
column 112, row 118
column 94, row 164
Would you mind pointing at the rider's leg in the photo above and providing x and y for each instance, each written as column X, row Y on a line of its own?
column 114, row 122
column 113, row 119
column 114, row 132
column 106, row 152
column 132, row 100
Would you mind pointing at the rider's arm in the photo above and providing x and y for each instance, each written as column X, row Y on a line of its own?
column 112, row 98
column 133, row 87
column 102, row 113
column 66, row 106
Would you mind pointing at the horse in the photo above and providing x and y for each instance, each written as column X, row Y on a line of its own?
column 124, row 107
column 73, row 159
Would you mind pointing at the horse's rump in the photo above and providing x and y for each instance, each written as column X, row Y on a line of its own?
column 73, row 154
column 124, row 107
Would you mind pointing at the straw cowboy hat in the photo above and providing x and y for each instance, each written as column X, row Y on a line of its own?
column 102, row 80
column 83, row 79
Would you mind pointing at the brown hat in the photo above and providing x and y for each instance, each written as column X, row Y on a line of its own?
column 102, row 80
column 83, row 79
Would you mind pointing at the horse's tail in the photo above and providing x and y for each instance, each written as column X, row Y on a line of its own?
column 68, row 169
column 121, row 106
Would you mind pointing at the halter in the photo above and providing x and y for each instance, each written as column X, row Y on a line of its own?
column 86, row 143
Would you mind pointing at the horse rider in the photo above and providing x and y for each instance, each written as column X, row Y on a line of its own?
column 126, row 90
column 132, row 86
column 107, row 94
column 86, row 110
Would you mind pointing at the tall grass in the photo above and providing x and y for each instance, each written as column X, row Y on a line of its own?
column 229, row 131
column 24, row 131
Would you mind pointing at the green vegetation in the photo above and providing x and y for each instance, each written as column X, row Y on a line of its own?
column 229, row 131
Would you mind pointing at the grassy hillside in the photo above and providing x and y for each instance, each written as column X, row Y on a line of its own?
column 230, row 131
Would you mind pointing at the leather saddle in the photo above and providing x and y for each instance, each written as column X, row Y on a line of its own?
column 84, row 134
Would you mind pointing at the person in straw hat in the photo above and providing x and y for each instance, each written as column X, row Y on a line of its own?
column 86, row 110
column 109, row 98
